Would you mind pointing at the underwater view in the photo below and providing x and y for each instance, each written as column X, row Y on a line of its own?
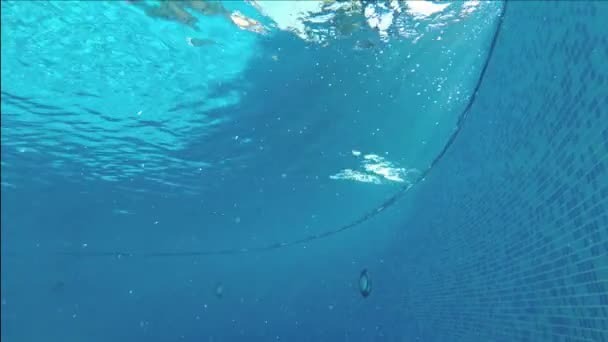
column 314, row 170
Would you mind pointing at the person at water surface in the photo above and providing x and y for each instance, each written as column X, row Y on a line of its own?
column 178, row 11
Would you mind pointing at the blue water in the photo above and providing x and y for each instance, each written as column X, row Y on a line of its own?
column 459, row 156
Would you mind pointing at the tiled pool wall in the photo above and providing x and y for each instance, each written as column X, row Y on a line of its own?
column 507, row 239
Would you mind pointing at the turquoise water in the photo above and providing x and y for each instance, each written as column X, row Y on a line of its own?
column 142, row 172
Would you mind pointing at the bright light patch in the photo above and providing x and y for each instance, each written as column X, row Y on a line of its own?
column 376, row 170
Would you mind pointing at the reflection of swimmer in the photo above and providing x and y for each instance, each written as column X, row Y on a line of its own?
column 170, row 10
column 207, row 7
column 178, row 11
column 198, row 42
